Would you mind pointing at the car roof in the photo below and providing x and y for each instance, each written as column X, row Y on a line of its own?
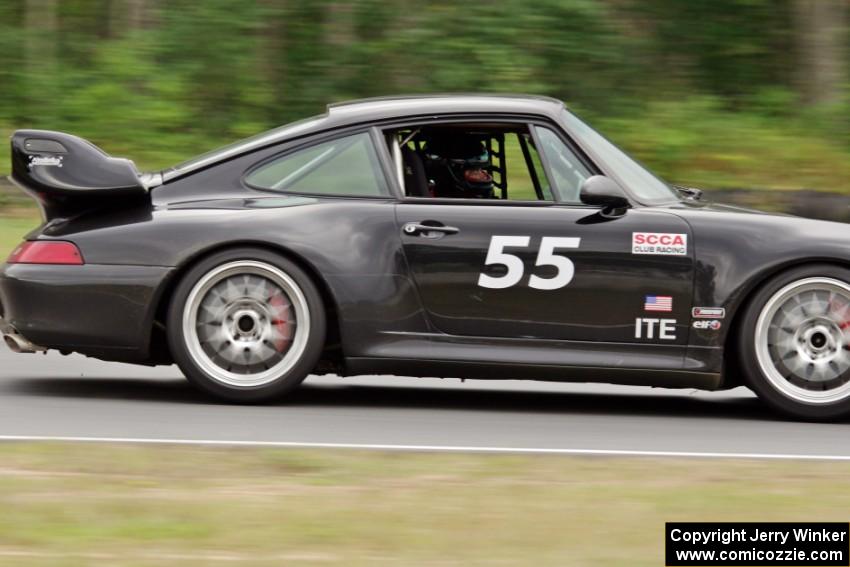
column 403, row 106
column 367, row 110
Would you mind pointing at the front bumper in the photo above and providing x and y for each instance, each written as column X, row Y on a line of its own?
column 89, row 308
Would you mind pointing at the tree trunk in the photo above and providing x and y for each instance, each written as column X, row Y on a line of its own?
column 339, row 36
column 272, row 57
column 820, row 33
column 41, row 25
column 127, row 16
column 138, row 14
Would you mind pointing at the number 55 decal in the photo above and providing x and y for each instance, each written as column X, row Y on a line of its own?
column 545, row 257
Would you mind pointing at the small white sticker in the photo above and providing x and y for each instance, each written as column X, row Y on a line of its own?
column 650, row 328
column 708, row 312
column 713, row 325
column 46, row 160
column 660, row 243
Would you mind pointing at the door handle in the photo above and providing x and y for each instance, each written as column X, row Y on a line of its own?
column 427, row 230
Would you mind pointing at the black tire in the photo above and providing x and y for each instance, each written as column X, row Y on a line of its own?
column 768, row 355
column 280, row 372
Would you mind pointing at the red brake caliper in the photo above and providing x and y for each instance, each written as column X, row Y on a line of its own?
column 844, row 324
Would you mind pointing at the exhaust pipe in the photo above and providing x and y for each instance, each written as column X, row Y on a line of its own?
column 19, row 344
column 16, row 342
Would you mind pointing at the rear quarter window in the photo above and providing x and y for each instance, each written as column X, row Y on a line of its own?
column 345, row 166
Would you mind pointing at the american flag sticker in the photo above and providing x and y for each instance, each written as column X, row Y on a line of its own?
column 658, row 303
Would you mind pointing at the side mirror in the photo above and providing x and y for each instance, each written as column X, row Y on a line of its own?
column 604, row 192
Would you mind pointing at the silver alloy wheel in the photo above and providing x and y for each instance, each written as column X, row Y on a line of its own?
column 246, row 323
column 802, row 340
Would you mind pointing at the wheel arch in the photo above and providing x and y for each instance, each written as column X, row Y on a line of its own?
column 730, row 343
column 158, row 344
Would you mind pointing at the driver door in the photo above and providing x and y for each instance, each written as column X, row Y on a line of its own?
column 549, row 269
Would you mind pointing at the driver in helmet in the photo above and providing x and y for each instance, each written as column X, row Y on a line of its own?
column 458, row 166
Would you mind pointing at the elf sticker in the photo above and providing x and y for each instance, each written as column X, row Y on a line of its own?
column 660, row 243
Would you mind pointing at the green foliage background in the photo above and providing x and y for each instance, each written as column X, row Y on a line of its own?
column 707, row 92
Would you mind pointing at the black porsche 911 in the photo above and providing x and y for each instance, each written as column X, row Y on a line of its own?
column 452, row 236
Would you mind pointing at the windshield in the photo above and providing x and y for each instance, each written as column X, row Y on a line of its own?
column 646, row 186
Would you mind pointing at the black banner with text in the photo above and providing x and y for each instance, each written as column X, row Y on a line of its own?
column 760, row 544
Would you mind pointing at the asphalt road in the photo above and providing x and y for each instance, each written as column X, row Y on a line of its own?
column 55, row 396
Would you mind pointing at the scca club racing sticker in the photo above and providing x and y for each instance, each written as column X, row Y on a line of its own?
column 660, row 243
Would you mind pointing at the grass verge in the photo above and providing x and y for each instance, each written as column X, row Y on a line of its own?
column 13, row 226
column 67, row 504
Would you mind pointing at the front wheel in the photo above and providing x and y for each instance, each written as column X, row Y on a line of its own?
column 246, row 325
column 795, row 342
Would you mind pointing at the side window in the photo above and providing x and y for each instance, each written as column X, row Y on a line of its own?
column 469, row 161
column 526, row 173
column 534, row 167
column 568, row 171
column 346, row 166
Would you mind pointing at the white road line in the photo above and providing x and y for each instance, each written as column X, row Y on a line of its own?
column 430, row 448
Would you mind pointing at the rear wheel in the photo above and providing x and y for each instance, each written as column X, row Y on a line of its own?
column 795, row 342
column 246, row 325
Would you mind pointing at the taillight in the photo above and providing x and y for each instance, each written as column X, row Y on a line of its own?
column 47, row 252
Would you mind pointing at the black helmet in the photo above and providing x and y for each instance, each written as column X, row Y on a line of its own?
column 459, row 166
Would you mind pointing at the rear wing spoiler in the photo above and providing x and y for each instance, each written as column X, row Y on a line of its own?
column 69, row 175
